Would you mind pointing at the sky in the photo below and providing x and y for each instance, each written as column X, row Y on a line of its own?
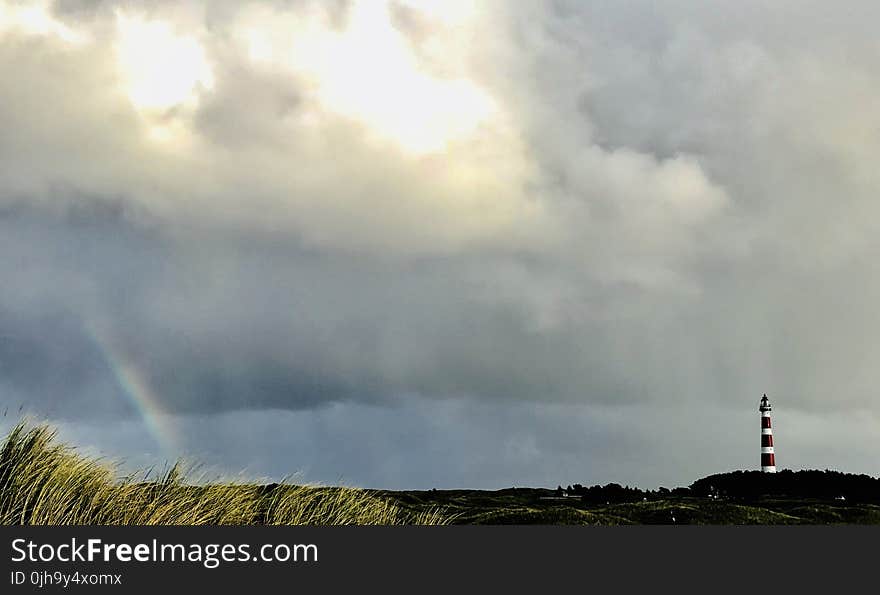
column 440, row 244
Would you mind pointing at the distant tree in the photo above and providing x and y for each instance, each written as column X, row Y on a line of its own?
column 750, row 485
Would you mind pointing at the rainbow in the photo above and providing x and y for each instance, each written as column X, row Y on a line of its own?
column 137, row 390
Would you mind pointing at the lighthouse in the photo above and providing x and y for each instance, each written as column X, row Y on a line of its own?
column 768, row 457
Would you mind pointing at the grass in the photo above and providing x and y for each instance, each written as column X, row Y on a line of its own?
column 531, row 506
column 44, row 482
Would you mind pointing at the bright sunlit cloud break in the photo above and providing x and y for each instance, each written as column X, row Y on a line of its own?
column 369, row 72
column 162, row 68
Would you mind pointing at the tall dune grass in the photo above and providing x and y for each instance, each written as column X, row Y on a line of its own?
column 44, row 482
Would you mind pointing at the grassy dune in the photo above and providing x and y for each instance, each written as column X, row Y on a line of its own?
column 43, row 482
column 530, row 506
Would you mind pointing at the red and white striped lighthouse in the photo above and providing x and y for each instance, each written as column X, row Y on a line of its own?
column 768, row 457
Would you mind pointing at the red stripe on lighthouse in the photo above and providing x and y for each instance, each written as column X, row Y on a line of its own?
column 768, row 459
column 765, row 422
column 767, row 439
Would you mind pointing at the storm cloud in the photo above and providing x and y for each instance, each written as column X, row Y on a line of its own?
column 512, row 236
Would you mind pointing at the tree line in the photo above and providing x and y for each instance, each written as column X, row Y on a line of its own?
column 744, row 485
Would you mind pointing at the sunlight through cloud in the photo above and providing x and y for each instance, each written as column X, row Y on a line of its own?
column 162, row 69
column 36, row 19
column 368, row 72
